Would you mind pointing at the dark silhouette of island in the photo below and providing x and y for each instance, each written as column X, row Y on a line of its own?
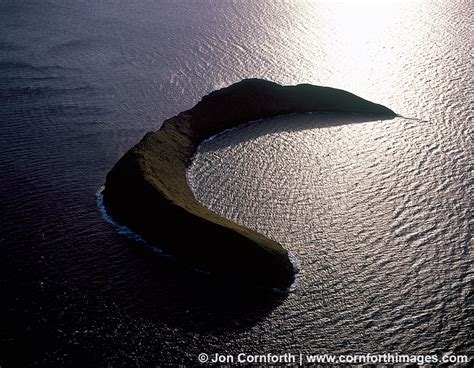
column 147, row 189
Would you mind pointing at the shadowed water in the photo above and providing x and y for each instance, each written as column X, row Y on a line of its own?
column 377, row 213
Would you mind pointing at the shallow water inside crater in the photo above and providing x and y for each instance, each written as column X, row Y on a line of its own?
column 378, row 213
column 372, row 210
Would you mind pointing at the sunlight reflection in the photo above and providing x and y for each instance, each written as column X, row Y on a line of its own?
column 359, row 37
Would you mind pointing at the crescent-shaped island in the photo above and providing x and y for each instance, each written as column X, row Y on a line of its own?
column 147, row 189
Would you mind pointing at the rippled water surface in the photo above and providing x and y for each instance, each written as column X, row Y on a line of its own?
column 377, row 212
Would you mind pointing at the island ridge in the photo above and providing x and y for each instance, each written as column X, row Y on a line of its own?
column 147, row 189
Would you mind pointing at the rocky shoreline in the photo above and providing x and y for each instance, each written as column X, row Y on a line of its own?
column 147, row 189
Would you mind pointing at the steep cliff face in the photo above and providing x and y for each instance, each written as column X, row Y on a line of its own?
column 147, row 189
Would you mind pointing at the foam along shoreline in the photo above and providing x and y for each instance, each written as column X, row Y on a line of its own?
column 127, row 232
column 147, row 189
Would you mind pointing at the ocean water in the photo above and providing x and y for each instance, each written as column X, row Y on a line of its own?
column 377, row 212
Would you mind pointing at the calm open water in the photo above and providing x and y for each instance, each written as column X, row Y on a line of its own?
column 378, row 213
